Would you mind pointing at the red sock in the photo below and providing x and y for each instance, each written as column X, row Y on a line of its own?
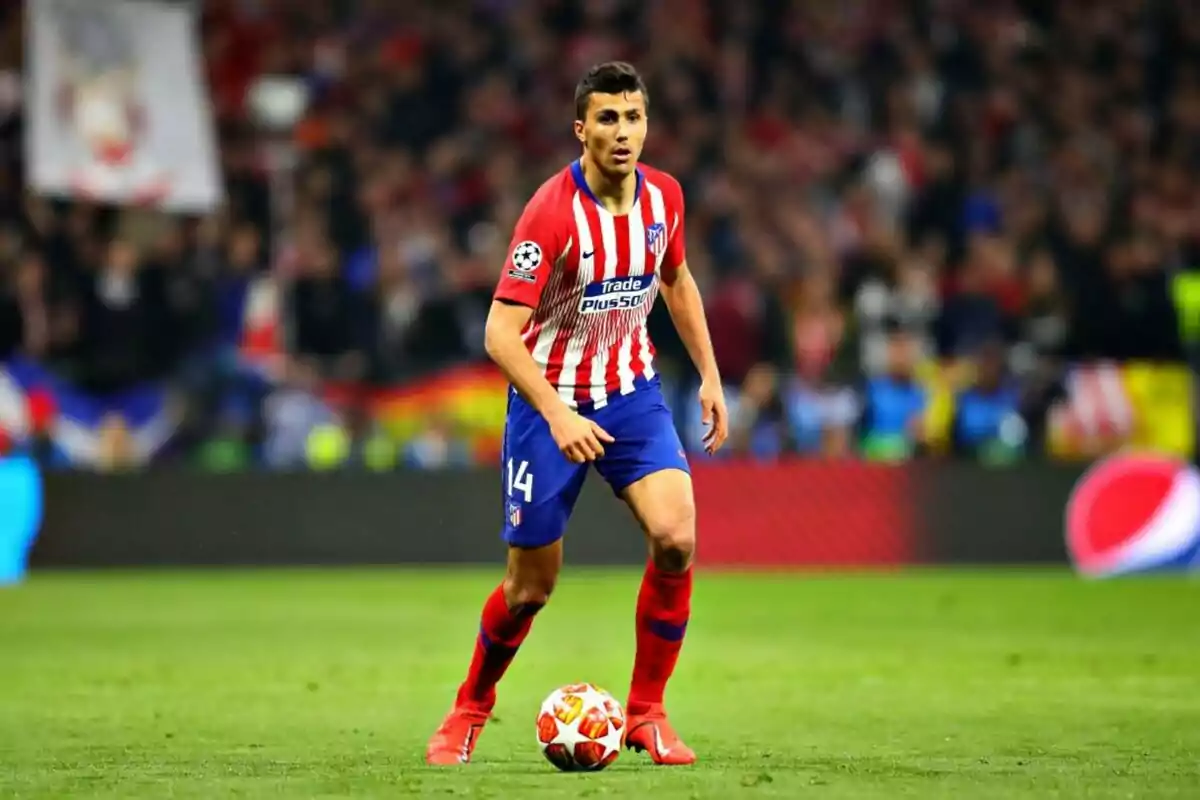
column 501, row 632
column 664, row 603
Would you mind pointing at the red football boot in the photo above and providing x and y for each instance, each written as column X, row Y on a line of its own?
column 455, row 739
column 652, row 733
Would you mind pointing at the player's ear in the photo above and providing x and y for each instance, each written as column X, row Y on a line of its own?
column 579, row 131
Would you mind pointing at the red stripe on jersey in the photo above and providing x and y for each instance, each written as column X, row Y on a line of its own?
column 566, row 320
column 544, row 317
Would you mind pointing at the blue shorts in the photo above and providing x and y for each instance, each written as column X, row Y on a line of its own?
column 541, row 485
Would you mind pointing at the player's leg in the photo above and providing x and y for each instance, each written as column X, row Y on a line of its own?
column 540, row 490
column 507, row 617
column 664, row 506
column 534, row 559
column 506, row 620
column 647, row 468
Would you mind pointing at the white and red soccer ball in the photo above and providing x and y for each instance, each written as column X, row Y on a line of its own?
column 1135, row 513
column 580, row 728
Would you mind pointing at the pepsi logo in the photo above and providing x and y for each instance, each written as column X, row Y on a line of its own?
column 1135, row 513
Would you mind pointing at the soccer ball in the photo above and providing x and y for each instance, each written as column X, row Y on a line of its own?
column 580, row 728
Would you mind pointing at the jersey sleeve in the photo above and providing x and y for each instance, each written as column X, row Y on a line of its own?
column 676, row 237
column 536, row 246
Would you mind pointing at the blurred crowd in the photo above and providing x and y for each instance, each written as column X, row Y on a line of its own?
column 891, row 206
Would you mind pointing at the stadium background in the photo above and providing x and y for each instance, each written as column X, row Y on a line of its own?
column 926, row 233
column 950, row 254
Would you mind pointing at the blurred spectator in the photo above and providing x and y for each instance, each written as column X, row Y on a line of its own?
column 906, row 296
column 1043, row 328
column 42, row 318
column 180, row 292
column 982, row 299
column 11, row 325
column 116, row 448
column 895, row 403
column 820, row 411
column 327, row 318
column 1038, row 356
column 236, row 262
column 291, row 416
column 121, row 328
column 396, row 308
column 437, row 447
column 1131, row 314
column 987, row 421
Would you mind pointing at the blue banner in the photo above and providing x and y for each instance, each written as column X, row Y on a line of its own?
column 84, row 430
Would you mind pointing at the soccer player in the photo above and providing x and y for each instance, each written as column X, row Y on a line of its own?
column 590, row 253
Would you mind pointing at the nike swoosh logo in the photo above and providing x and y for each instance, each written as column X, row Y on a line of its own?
column 658, row 743
column 465, row 756
column 588, row 254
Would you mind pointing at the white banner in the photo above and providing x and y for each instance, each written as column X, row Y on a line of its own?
column 116, row 108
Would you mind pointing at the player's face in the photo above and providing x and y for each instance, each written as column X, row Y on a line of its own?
column 614, row 131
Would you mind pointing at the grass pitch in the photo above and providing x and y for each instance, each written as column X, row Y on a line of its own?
column 327, row 683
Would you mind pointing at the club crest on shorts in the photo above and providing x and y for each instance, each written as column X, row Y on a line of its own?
column 656, row 238
column 514, row 515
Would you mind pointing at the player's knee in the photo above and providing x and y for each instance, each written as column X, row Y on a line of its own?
column 673, row 538
column 530, row 577
column 674, row 554
column 528, row 593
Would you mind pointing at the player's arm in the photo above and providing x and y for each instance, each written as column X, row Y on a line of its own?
column 682, row 296
column 505, row 346
column 578, row 438
column 532, row 255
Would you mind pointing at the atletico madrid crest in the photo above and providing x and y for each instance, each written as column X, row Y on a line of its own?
column 656, row 238
column 514, row 515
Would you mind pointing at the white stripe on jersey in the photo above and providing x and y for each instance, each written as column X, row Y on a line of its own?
column 550, row 328
column 601, row 328
column 644, row 344
column 569, row 377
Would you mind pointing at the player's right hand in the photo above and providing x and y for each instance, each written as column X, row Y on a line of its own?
column 579, row 439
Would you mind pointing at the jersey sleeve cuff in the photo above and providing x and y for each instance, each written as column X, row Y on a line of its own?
column 515, row 298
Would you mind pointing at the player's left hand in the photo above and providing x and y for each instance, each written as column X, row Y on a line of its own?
column 714, row 415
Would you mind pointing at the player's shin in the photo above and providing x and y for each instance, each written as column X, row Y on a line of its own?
column 501, row 631
column 663, row 608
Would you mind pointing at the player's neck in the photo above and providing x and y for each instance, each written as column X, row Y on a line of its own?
column 616, row 193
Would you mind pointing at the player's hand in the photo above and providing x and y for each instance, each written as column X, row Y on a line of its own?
column 579, row 439
column 714, row 415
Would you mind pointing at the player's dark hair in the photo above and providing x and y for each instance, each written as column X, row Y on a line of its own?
column 612, row 77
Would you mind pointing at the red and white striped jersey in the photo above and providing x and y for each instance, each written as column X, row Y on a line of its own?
column 592, row 277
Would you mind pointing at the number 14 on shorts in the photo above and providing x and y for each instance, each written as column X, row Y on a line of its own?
column 520, row 481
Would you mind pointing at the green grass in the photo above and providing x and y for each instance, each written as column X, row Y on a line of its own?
column 327, row 683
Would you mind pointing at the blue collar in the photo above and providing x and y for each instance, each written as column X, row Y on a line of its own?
column 577, row 174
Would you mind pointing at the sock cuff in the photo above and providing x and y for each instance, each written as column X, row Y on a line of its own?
column 664, row 604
